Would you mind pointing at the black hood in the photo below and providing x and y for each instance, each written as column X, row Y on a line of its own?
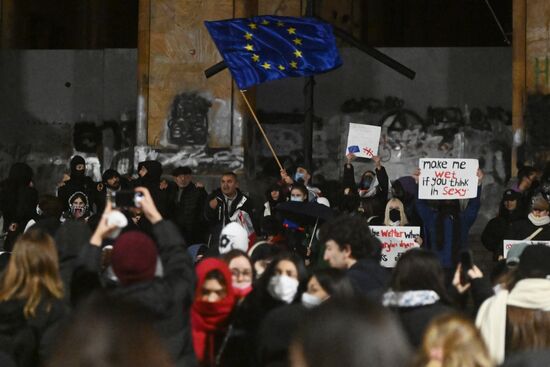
column 154, row 171
column 20, row 174
column 75, row 161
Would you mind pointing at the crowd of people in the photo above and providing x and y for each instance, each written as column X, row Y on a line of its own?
column 154, row 270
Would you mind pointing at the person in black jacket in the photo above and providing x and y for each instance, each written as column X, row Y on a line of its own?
column 222, row 203
column 372, row 189
column 150, row 173
column 134, row 262
column 111, row 183
column 497, row 228
column 187, row 206
column 417, row 292
column 537, row 224
column 351, row 246
column 78, row 182
column 18, row 200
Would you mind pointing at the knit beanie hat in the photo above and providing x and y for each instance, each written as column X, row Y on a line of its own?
column 134, row 257
column 233, row 237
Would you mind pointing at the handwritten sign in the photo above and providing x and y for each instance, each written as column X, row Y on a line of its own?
column 395, row 241
column 508, row 244
column 442, row 179
column 363, row 140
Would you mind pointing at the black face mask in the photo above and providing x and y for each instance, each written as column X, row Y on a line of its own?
column 367, row 181
column 395, row 215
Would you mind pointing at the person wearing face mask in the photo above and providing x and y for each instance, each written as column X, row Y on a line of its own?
column 281, row 284
column 242, row 272
column 211, row 309
column 301, row 176
column 79, row 208
column 395, row 216
column 78, row 181
column 326, row 283
column 372, row 189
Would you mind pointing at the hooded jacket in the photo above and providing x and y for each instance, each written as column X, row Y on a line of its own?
column 17, row 199
column 78, row 182
column 151, row 180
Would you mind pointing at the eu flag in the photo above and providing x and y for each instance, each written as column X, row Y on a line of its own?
column 266, row 48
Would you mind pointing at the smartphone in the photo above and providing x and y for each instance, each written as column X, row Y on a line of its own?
column 466, row 264
column 127, row 199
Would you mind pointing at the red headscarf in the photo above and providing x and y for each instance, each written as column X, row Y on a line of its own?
column 209, row 319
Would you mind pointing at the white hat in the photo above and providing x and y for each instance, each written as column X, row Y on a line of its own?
column 233, row 237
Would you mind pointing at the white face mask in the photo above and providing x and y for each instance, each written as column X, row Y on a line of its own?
column 243, row 285
column 296, row 198
column 283, row 288
column 310, row 301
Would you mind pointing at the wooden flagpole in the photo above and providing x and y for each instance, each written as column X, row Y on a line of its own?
column 261, row 129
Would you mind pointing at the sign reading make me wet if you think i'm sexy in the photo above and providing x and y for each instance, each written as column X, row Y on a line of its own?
column 442, row 179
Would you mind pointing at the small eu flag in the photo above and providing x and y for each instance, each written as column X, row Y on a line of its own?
column 266, row 48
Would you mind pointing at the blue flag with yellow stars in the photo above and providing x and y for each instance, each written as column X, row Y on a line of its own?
column 266, row 48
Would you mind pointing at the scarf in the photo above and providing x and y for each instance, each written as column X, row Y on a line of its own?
column 533, row 293
column 372, row 190
column 209, row 319
column 542, row 221
column 410, row 298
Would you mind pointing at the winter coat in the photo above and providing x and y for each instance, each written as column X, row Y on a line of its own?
column 521, row 229
column 187, row 212
column 168, row 298
column 448, row 254
column 152, row 182
column 369, row 278
column 30, row 341
column 220, row 216
column 373, row 205
column 77, row 183
column 495, row 233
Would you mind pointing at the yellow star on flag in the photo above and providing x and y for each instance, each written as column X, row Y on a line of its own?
column 255, row 58
column 280, row 24
column 291, row 30
column 266, row 65
column 297, row 41
column 253, row 26
column 294, row 64
column 298, row 53
column 265, row 22
column 249, row 47
column 281, row 67
column 248, row 36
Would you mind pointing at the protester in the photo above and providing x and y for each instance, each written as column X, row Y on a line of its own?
column 452, row 340
column 417, row 292
column 340, row 333
column 496, row 229
column 111, row 183
column 78, row 182
column 134, row 262
column 350, row 246
column 188, row 201
column 222, row 205
column 526, row 184
column 31, row 299
column 372, row 189
column 518, row 318
column 18, row 200
column 446, row 227
column 212, row 306
column 302, row 176
column 325, row 284
column 79, row 207
column 150, row 173
column 537, row 224
column 48, row 214
column 274, row 195
column 242, row 272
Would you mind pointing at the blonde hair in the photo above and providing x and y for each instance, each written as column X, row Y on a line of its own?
column 453, row 341
column 33, row 272
column 404, row 221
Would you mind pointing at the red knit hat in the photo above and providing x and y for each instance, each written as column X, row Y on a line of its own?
column 134, row 257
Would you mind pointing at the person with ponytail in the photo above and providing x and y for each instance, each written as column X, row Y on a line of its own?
column 211, row 310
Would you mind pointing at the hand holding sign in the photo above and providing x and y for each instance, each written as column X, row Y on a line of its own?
column 363, row 140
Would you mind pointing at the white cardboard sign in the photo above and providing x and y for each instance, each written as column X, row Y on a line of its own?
column 363, row 140
column 442, row 179
column 395, row 241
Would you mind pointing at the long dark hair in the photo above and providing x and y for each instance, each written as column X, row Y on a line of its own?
column 419, row 269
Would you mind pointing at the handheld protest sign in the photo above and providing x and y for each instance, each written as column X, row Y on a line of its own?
column 363, row 140
column 443, row 179
column 395, row 241
column 508, row 244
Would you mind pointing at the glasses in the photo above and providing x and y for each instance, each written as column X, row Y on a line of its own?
column 243, row 273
